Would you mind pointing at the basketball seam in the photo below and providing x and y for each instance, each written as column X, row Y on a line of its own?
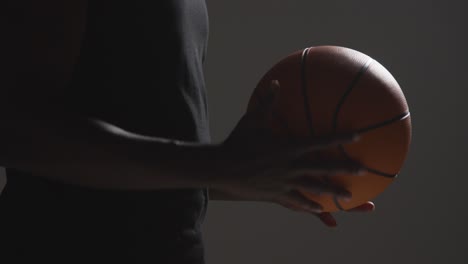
column 309, row 117
column 307, row 108
column 304, row 83
column 353, row 83
column 389, row 121
column 363, row 130
column 380, row 125
column 348, row 91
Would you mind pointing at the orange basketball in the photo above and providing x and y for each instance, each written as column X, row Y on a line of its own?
column 330, row 90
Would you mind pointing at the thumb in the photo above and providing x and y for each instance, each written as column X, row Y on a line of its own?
column 272, row 94
column 268, row 100
column 256, row 121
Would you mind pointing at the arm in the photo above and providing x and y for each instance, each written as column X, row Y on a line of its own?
column 98, row 155
column 217, row 195
column 39, row 47
column 40, row 43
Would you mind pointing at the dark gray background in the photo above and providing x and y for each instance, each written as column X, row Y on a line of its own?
column 421, row 217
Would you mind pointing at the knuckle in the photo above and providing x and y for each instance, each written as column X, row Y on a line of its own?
column 304, row 203
column 314, row 207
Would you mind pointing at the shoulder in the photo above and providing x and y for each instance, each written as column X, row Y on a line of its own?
column 39, row 46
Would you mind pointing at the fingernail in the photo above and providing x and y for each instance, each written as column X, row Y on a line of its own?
column 329, row 220
column 275, row 87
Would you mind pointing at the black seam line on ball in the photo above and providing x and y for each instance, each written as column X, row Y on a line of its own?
column 348, row 91
column 367, row 129
column 374, row 171
column 338, row 108
column 262, row 102
column 304, row 90
column 384, row 123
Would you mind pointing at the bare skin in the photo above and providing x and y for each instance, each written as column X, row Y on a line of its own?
column 266, row 174
column 38, row 135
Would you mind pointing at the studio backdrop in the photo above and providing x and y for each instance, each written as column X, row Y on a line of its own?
column 421, row 217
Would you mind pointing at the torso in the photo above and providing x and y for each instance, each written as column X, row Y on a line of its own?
column 140, row 68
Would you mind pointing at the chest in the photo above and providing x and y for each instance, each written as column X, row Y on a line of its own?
column 147, row 20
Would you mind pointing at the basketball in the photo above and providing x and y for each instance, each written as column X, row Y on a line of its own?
column 331, row 90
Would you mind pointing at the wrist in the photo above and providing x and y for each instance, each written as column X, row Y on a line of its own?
column 180, row 164
column 200, row 163
column 161, row 163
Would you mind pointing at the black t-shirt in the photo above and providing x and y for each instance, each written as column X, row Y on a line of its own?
column 140, row 68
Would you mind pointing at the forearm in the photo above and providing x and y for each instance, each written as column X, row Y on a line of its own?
column 38, row 58
column 93, row 154
column 217, row 195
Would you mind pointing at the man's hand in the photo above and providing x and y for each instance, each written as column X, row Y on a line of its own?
column 328, row 219
column 252, row 165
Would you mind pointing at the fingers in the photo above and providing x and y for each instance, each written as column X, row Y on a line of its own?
column 366, row 207
column 296, row 200
column 268, row 99
column 300, row 147
column 307, row 167
column 327, row 219
column 273, row 91
column 290, row 206
column 257, row 120
column 330, row 221
column 318, row 187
